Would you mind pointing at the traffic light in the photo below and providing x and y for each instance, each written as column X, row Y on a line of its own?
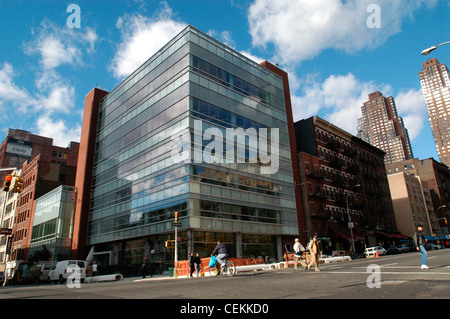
column 170, row 244
column 18, row 185
column 7, row 183
column 176, row 217
column 445, row 220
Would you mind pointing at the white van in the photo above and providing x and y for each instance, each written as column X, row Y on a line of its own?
column 63, row 269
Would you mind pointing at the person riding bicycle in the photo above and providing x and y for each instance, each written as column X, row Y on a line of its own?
column 222, row 253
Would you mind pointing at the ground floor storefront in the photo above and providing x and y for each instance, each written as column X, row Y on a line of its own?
column 127, row 256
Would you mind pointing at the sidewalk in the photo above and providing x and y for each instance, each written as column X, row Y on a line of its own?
column 148, row 278
column 241, row 269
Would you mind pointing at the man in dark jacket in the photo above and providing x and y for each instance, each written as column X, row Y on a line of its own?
column 146, row 268
column 420, row 243
column 221, row 251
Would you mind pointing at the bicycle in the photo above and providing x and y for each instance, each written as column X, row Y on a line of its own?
column 227, row 268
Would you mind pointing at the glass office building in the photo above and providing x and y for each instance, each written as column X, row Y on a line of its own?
column 53, row 221
column 193, row 86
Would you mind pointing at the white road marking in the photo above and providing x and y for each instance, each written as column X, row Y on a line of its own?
column 423, row 272
column 392, row 282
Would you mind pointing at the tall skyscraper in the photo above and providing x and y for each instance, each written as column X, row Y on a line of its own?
column 435, row 82
column 381, row 126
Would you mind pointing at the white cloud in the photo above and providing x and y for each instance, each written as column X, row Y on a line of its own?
column 60, row 45
column 54, row 94
column 411, row 106
column 10, row 93
column 141, row 38
column 301, row 29
column 61, row 98
column 339, row 98
column 57, row 129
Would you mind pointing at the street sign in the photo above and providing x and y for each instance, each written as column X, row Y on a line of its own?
column 5, row 231
column 176, row 224
column 8, row 246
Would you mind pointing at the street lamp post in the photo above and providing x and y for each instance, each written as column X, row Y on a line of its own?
column 350, row 219
column 432, row 48
column 437, row 210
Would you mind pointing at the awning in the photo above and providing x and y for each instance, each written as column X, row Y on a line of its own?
column 437, row 237
column 393, row 235
column 341, row 234
column 357, row 235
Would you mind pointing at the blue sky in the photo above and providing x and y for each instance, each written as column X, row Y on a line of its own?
column 334, row 58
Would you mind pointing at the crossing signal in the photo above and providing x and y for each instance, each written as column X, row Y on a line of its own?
column 7, row 183
column 18, row 185
column 170, row 244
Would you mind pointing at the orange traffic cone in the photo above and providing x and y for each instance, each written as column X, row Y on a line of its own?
column 376, row 255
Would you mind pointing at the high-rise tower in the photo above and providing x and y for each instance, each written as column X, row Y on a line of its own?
column 381, row 126
column 435, row 83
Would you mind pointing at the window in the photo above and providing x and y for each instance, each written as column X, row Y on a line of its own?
column 307, row 167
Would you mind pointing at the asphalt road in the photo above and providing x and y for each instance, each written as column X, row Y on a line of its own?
column 387, row 277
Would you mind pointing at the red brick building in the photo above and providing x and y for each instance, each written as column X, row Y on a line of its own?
column 40, row 175
column 293, row 145
column 336, row 167
column 20, row 146
column 85, row 167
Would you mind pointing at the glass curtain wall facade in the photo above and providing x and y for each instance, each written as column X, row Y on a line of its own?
column 192, row 84
column 53, row 222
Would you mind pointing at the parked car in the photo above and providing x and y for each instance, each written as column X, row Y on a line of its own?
column 404, row 248
column 39, row 272
column 393, row 250
column 60, row 271
column 372, row 250
column 433, row 246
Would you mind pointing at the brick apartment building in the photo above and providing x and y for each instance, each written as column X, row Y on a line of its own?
column 20, row 146
column 437, row 177
column 412, row 204
column 333, row 163
column 54, row 167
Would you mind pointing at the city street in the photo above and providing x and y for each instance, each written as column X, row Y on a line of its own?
column 399, row 277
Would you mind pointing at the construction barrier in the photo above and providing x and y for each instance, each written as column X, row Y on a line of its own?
column 183, row 268
column 289, row 259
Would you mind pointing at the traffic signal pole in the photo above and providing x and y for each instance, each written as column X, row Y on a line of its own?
column 176, row 246
column 7, row 255
column 176, row 237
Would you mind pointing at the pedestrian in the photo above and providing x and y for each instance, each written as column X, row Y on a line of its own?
column 420, row 243
column 192, row 264
column 298, row 254
column 94, row 269
column 89, row 270
column 197, row 264
column 314, row 250
column 146, row 268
